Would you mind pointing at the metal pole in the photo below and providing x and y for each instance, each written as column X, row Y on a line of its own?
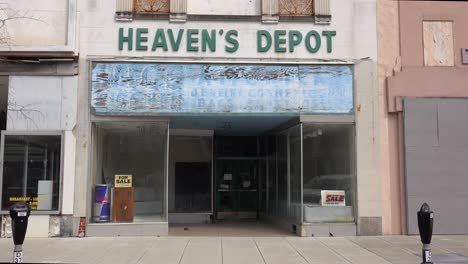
column 426, row 254
column 302, row 176
column 18, row 254
column 288, row 174
column 53, row 167
column 44, row 173
column 267, row 176
column 25, row 168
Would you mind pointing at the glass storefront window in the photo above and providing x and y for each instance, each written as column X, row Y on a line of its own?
column 294, row 212
column 272, row 175
column 328, row 156
column 31, row 171
column 282, row 188
column 136, row 149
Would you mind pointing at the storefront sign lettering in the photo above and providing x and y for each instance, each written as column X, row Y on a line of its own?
column 204, row 40
column 32, row 201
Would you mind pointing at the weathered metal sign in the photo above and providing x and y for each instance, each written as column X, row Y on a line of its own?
column 158, row 88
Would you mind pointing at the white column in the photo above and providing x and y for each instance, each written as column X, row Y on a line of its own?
column 124, row 10
column 270, row 11
column 322, row 11
column 178, row 11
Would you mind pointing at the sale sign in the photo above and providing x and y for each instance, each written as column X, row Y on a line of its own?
column 333, row 198
column 123, row 181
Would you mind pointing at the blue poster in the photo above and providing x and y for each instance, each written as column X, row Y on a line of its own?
column 158, row 88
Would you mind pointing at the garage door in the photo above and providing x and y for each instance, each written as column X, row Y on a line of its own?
column 436, row 155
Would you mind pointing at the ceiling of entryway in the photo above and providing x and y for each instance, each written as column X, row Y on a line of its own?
column 230, row 125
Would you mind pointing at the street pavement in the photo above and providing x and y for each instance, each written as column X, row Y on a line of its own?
column 237, row 250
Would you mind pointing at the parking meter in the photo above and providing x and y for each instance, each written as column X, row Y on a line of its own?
column 19, row 213
column 425, row 225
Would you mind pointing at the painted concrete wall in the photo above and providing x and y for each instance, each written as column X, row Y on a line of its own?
column 42, row 103
column 369, row 200
column 355, row 23
column 68, row 184
column 389, row 62
column 41, row 22
column 216, row 7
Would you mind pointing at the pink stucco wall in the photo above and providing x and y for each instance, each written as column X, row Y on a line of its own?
column 403, row 74
column 437, row 81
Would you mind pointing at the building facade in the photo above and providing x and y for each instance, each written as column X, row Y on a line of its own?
column 215, row 112
column 39, row 82
column 423, row 77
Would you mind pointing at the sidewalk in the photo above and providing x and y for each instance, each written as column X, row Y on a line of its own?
column 238, row 250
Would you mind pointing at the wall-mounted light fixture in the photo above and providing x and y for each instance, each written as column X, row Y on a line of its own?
column 464, row 55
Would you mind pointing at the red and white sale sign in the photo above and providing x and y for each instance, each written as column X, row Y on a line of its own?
column 333, row 198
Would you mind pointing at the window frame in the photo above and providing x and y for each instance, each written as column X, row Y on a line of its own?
column 33, row 133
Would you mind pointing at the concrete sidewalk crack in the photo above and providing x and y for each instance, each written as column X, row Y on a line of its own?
column 259, row 251
column 416, row 253
column 397, row 246
column 183, row 251
column 107, row 249
column 289, row 242
column 146, row 251
column 334, row 251
column 388, row 260
column 222, row 251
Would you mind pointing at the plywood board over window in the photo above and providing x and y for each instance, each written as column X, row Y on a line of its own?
column 438, row 43
column 296, row 7
column 151, row 6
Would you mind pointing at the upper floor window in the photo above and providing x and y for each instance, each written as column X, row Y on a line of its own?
column 438, row 43
column 151, row 6
column 296, row 7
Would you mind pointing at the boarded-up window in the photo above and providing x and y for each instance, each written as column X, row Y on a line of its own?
column 151, row 6
column 438, row 43
column 296, row 7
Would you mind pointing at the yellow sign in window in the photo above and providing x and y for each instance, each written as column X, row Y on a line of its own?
column 123, row 181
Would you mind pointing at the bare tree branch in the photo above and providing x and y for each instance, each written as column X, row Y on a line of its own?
column 8, row 14
column 26, row 112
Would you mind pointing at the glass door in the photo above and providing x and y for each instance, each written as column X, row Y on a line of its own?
column 237, row 193
column 236, row 178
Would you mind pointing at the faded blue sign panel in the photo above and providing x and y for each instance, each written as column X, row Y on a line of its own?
column 146, row 88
